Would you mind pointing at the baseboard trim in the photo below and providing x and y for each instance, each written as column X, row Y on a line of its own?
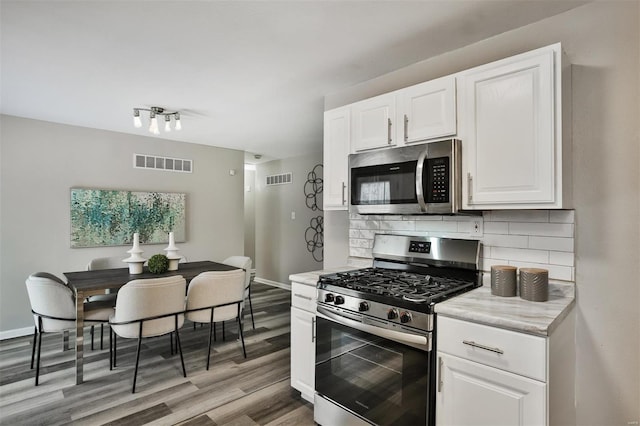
column 18, row 332
column 283, row 286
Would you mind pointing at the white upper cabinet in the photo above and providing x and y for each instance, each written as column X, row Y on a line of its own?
column 374, row 123
column 337, row 134
column 427, row 110
column 512, row 133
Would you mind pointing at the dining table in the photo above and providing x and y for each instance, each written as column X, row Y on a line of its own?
column 89, row 283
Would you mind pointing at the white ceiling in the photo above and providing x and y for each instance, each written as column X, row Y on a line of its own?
column 247, row 75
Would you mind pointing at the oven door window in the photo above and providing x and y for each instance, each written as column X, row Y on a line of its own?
column 384, row 184
column 380, row 380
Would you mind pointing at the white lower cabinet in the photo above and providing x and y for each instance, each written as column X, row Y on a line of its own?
column 492, row 376
column 303, row 349
column 473, row 394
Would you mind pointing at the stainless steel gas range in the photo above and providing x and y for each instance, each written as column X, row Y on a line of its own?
column 376, row 327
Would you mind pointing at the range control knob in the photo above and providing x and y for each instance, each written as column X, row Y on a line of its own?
column 392, row 314
column 328, row 297
column 339, row 300
column 405, row 317
column 363, row 306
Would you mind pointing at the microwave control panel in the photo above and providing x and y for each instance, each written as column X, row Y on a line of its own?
column 438, row 182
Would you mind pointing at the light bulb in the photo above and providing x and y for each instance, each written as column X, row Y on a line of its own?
column 167, row 122
column 153, row 125
column 136, row 119
column 178, row 125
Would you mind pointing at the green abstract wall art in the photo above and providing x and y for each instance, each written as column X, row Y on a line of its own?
column 101, row 217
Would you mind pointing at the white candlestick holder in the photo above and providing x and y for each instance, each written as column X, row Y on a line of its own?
column 172, row 253
column 135, row 260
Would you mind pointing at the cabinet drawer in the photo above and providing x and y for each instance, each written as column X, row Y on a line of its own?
column 508, row 350
column 303, row 296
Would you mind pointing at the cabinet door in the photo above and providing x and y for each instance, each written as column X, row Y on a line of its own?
column 373, row 125
column 337, row 133
column 303, row 353
column 469, row 393
column 509, row 135
column 428, row 110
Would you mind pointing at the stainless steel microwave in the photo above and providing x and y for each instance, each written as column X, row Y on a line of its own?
column 417, row 179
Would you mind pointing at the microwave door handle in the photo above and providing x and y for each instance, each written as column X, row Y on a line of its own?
column 419, row 187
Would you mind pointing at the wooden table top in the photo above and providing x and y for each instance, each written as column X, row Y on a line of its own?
column 116, row 278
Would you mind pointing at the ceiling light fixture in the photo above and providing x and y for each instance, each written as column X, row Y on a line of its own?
column 153, row 119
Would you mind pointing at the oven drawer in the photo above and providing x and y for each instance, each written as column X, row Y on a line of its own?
column 511, row 351
column 303, row 296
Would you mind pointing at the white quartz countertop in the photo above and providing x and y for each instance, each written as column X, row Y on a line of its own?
column 479, row 305
column 311, row 278
column 514, row 313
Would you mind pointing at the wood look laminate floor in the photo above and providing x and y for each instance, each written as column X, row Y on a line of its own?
column 235, row 391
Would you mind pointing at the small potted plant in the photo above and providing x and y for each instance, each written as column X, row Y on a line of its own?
column 158, row 264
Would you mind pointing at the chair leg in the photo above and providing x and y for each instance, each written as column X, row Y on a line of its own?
column 101, row 336
column 211, row 326
column 33, row 349
column 110, row 349
column 244, row 352
column 135, row 372
column 92, row 337
column 38, row 358
column 184, row 370
column 223, row 338
column 115, row 345
column 251, row 310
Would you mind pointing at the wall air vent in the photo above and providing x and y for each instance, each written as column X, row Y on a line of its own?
column 280, row 179
column 144, row 161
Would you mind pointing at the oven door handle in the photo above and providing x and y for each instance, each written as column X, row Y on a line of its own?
column 415, row 340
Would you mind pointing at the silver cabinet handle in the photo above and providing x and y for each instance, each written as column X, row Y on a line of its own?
column 486, row 348
column 389, row 130
column 302, row 296
column 406, row 128
column 440, row 380
column 469, row 187
column 313, row 329
column 344, row 200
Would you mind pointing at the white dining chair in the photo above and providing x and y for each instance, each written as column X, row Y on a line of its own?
column 148, row 308
column 216, row 296
column 244, row 263
column 54, row 310
column 99, row 263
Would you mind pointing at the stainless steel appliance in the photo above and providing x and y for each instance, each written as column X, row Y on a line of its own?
column 418, row 179
column 376, row 327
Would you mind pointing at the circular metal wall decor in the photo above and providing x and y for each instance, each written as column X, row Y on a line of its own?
column 314, row 233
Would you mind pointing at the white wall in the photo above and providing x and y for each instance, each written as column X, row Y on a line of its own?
column 281, row 248
column 41, row 161
column 602, row 42
column 250, row 215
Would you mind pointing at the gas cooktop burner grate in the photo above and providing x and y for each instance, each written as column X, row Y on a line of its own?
column 409, row 286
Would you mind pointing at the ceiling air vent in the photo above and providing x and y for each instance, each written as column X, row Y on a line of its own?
column 144, row 161
column 280, row 179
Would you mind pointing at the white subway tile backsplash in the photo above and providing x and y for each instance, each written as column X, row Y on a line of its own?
column 556, row 272
column 364, row 224
column 541, row 229
column 496, row 227
column 360, row 243
column 561, row 258
column 524, row 255
column 362, row 233
column 500, row 240
column 439, row 226
column 551, row 243
column 519, row 216
column 522, row 238
column 398, row 225
column 359, row 252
